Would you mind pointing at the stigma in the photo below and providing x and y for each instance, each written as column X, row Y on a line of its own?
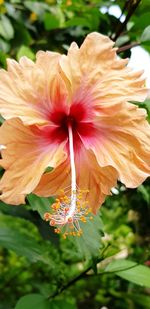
column 71, row 206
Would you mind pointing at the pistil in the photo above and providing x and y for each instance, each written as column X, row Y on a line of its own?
column 73, row 173
column 71, row 207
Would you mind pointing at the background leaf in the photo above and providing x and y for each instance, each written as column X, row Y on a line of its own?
column 40, row 204
column 14, row 238
column 131, row 271
column 6, row 28
column 33, row 301
column 40, row 302
column 25, row 51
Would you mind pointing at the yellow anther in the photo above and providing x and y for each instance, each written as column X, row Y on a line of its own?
column 56, row 206
column 57, row 200
column 65, row 213
column 79, row 196
column 66, row 200
column 70, row 220
column 83, row 219
column 71, row 226
column 52, row 222
column 47, row 216
column 56, row 231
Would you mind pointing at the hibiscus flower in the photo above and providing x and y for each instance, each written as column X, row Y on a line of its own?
column 72, row 113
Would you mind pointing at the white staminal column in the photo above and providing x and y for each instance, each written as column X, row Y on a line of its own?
column 73, row 174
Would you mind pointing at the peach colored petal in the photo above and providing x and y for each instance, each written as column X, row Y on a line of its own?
column 96, row 67
column 99, row 180
column 25, row 159
column 124, row 143
column 52, row 182
column 25, row 88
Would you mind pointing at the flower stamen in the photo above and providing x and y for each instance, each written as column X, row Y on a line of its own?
column 69, row 209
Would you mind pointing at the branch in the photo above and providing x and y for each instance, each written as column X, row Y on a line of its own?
column 128, row 46
column 82, row 275
column 121, row 27
column 71, row 282
column 124, row 8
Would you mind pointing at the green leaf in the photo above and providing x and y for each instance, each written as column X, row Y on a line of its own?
column 38, row 8
column 88, row 244
column 6, row 28
column 140, row 299
column 119, row 265
column 141, row 24
column 4, row 46
column 31, row 301
column 131, row 271
column 25, row 51
column 50, row 21
column 122, row 40
column 40, row 204
column 22, row 36
column 14, row 237
column 146, row 35
column 3, row 63
column 38, row 301
column 62, row 304
column 78, row 21
column 145, row 193
column 12, row 11
column 147, row 104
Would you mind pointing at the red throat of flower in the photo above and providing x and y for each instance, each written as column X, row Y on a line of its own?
column 71, row 207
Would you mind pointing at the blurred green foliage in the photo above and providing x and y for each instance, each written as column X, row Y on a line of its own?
column 109, row 266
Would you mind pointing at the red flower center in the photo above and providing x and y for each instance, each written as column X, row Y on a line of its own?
column 79, row 117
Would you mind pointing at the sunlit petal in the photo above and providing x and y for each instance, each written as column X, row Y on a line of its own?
column 96, row 68
column 25, row 159
column 98, row 180
column 25, row 88
column 124, row 143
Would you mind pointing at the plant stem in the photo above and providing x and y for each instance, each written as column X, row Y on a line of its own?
column 132, row 8
column 78, row 277
column 71, row 282
column 128, row 46
column 82, row 275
